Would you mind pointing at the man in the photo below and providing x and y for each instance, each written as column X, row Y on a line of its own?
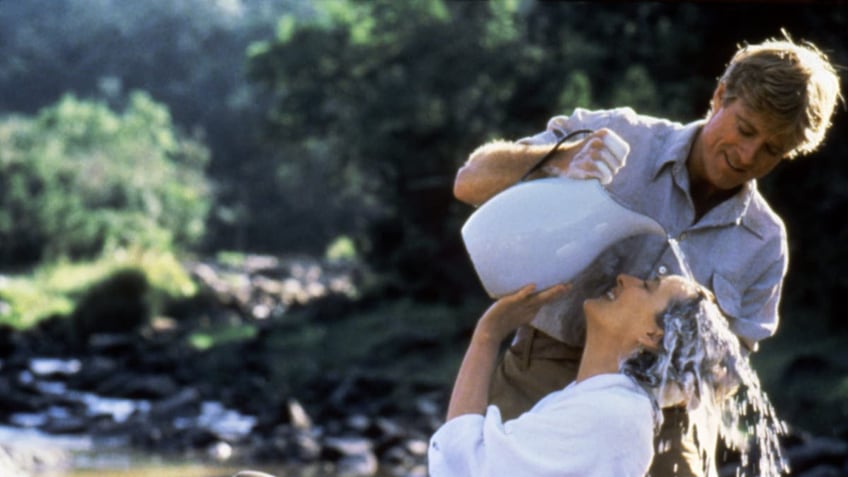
column 773, row 102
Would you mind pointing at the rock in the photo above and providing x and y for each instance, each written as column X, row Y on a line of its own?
column 220, row 451
column 821, row 471
column 346, row 446
column 66, row 425
column 816, row 451
column 358, row 423
column 306, row 447
column 252, row 473
column 16, row 400
column 417, row 447
column 359, row 465
column 297, row 415
column 428, row 407
column 111, row 343
column 354, row 455
column 94, row 371
column 138, row 386
column 184, row 402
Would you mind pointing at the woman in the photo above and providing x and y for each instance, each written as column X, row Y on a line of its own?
column 645, row 348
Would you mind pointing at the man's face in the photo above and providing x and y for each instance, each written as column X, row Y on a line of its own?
column 737, row 144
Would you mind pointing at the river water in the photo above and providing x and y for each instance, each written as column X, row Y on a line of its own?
column 79, row 456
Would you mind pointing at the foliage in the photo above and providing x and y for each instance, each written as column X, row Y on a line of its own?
column 406, row 343
column 55, row 288
column 341, row 249
column 187, row 54
column 205, row 339
column 388, row 98
column 803, row 369
column 79, row 179
column 388, row 107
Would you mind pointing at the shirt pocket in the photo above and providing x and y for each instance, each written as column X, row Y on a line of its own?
column 727, row 295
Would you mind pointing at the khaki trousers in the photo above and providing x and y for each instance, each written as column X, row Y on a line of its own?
column 536, row 365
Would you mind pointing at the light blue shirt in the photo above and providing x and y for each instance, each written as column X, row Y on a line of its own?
column 738, row 249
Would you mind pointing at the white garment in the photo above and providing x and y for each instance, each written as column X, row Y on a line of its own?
column 602, row 426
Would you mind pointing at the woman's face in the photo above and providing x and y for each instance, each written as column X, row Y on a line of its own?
column 630, row 308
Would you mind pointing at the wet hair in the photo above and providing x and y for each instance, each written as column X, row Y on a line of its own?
column 699, row 362
column 697, row 359
column 792, row 84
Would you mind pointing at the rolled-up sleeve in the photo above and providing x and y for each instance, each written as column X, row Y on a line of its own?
column 454, row 447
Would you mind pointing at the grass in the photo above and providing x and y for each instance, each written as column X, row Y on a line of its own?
column 206, row 339
column 53, row 288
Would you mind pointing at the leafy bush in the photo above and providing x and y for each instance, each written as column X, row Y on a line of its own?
column 78, row 180
column 57, row 288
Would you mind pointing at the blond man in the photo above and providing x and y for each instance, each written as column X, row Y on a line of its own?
column 774, row 102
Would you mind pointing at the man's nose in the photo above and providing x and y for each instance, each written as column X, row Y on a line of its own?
column 748, row 152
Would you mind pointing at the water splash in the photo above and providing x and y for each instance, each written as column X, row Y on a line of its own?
column 722, row 390
column 748, row 422
column 681, row 258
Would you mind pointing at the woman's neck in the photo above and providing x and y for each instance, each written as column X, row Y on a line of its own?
column 601, row 355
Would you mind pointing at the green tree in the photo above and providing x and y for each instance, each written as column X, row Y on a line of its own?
column 384, row 104
column 79, row 179
column 387, row 99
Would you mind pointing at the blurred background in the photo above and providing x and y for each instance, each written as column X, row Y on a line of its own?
column 227, row 232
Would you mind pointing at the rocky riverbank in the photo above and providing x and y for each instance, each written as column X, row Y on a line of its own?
column 274, row 361
column 160, row 389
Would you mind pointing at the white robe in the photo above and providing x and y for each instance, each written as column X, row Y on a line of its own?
column 602, row 426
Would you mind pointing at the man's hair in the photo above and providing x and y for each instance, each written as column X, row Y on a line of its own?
column 792, row 84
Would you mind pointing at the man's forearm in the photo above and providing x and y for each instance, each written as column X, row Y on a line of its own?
column 497, row 165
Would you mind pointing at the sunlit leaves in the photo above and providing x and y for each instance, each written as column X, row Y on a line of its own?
column 79, row 179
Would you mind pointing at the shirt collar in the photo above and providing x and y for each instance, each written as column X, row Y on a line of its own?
column 676, row 148
column 675, row 152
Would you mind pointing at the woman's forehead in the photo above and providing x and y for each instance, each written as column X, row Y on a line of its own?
column 677, row 286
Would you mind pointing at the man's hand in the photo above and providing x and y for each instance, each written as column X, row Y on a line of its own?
column 512, row 311
column 601, row 156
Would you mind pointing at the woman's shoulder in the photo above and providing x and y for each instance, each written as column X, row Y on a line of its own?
column 604, row 393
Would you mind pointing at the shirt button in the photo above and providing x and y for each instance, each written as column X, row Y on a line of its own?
column 662, row 270
column 683, row 236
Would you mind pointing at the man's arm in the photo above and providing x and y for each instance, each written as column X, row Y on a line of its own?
column 497, row 165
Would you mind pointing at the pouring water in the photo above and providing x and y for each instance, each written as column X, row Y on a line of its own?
column 747, row 421
column 681, row 258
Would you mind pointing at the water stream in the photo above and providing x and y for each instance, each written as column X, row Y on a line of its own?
column 747, row 421
column 681, row 258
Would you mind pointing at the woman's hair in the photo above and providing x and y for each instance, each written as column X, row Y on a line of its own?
column 697, row 359
column 699, row 362
column 793, row 84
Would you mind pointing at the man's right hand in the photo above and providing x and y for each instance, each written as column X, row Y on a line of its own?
column 601, row 155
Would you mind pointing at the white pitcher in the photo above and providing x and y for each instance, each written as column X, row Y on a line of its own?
column 546, row 231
